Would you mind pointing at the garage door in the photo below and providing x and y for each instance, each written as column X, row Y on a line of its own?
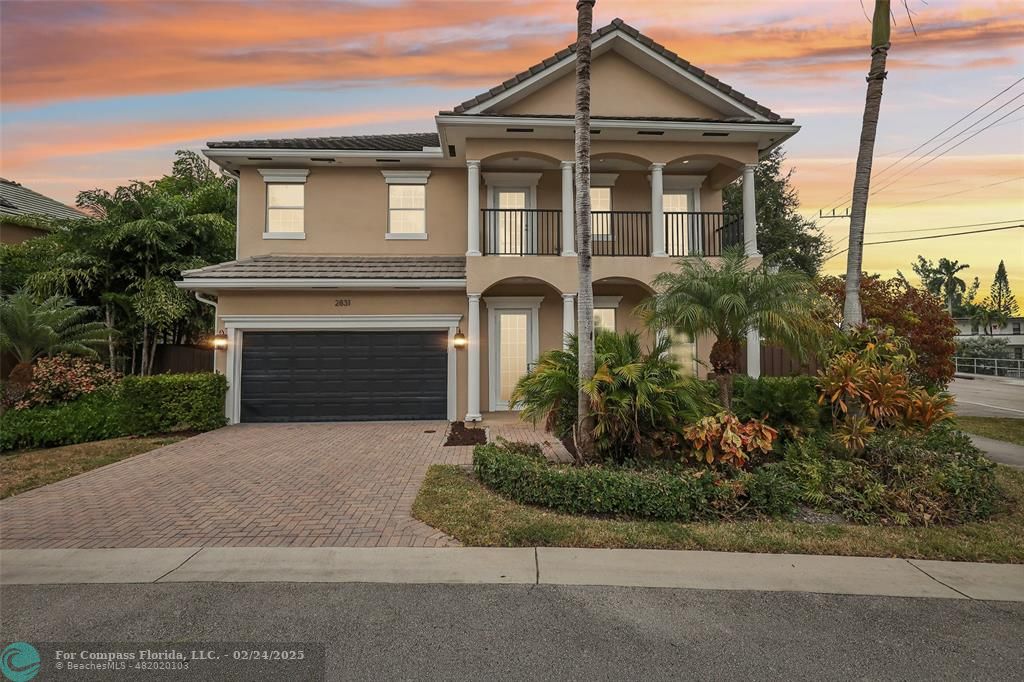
column 344, row 376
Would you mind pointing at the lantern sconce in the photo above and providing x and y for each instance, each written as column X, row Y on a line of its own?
column 459, row 339
column 220, row 340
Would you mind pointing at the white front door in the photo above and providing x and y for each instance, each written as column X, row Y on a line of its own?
column 512, row 345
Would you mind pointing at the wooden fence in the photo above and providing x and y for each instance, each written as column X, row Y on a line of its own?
column 776, row 362
column 172, row 359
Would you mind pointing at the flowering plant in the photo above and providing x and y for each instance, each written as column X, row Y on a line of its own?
column 62, row 378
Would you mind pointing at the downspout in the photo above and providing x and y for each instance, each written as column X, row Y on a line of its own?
column 199, row 297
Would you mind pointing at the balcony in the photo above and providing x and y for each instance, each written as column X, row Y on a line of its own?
column 538, row 232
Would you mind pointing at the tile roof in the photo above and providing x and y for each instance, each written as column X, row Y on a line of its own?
column 668, row 119
column 398, row 142
column 620, row 25
column 335, row 267
column 18, row 200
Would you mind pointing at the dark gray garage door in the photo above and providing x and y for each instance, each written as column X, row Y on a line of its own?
column 344, row 376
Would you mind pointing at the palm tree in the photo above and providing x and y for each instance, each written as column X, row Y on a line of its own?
column 950, row 285
column 853, row 313
column 730, row 299
column 985, row 317
column 29, row 330
column 585, row 292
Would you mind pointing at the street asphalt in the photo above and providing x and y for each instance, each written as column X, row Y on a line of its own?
column 989, row 397
column 382, row 631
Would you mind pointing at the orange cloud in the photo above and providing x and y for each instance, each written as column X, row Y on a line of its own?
column 32, row 147
column 61, row 51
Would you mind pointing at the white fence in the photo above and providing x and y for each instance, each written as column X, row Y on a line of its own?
column 992, row 367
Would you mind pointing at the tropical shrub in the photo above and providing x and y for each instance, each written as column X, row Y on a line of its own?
column 727, row 297
column 787, row 404
column 916, row 315
column 170, row 402
column 94, row 416
column 870, row 388
column 668, row 493
column 901, row 478
column 60, row 379
column 639, row 400
column 724, row 439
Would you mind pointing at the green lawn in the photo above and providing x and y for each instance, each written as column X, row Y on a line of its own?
column 27, row 469
column 1000, row 428
column 452, row 500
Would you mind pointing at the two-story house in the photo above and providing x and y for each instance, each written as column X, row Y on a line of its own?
column 420, row 275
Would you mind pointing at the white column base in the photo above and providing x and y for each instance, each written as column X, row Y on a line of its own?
column 753, row 354
column 474, row 417
column 568, row 318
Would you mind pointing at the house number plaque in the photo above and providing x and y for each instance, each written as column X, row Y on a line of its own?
column 342, row 302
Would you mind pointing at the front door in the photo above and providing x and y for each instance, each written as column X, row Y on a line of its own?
column 512, row 328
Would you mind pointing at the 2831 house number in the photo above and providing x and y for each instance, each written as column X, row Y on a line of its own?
column 342, row 302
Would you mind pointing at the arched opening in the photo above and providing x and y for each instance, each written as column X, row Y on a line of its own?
column 521, row 204
column 522, row 318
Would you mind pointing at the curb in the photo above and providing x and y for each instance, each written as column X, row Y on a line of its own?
column 522, row 566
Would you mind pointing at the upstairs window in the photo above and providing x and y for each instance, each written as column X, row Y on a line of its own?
column 407, row 204
column 286, row 207
column 407, row 209
column 286, row 203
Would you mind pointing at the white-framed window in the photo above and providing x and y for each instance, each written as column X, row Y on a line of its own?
column 600, row 218
column 604, row 319
column 407, row 203
column 286, row 203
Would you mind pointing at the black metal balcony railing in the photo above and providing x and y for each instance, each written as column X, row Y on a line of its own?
column 620, row 233
column 701, row 234
column 521, row 232
column 538, row 232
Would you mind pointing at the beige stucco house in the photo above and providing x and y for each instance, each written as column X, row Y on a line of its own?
column 360, row 260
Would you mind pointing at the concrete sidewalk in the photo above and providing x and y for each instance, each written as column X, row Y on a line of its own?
column 1010, row 454
column 543, row 565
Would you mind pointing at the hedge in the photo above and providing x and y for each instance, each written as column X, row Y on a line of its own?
column 171, row 402
column 95, row 416
column 655, row 493
column 136, row 406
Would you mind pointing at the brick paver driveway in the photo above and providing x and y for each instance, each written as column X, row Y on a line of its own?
column 307, row 485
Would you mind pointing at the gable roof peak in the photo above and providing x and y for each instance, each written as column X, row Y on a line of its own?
column 617, row 24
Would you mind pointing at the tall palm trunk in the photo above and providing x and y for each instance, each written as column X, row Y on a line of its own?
column 853, row 314
column 585, row 292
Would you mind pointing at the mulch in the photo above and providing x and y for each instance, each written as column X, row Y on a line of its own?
column 459, row 434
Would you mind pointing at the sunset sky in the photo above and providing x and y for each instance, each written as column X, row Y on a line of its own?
column 96, row 93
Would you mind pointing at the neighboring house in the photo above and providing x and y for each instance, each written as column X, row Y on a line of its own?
column 20, row 206
column 1012, row 332
column 362, row 260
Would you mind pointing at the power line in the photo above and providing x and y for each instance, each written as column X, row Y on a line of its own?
column 933, row 236
column 938, row 134
column 914, row 169
column 946, row 227
column 953, row 194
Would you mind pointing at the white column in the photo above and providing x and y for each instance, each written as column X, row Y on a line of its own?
column 568, row 318
column 657, row 211
column 749, row 212
column 753, row 354
column 473, row 208
column 568, row 211
column 473, row 358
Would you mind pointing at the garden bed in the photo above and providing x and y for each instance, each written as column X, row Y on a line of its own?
column 454, row 501
column 459, row 434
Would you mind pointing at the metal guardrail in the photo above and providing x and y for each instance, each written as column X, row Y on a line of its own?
column 993, row 367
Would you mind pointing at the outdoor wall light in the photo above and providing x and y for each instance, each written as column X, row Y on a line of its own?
column 459, row 339
column 220, row 340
